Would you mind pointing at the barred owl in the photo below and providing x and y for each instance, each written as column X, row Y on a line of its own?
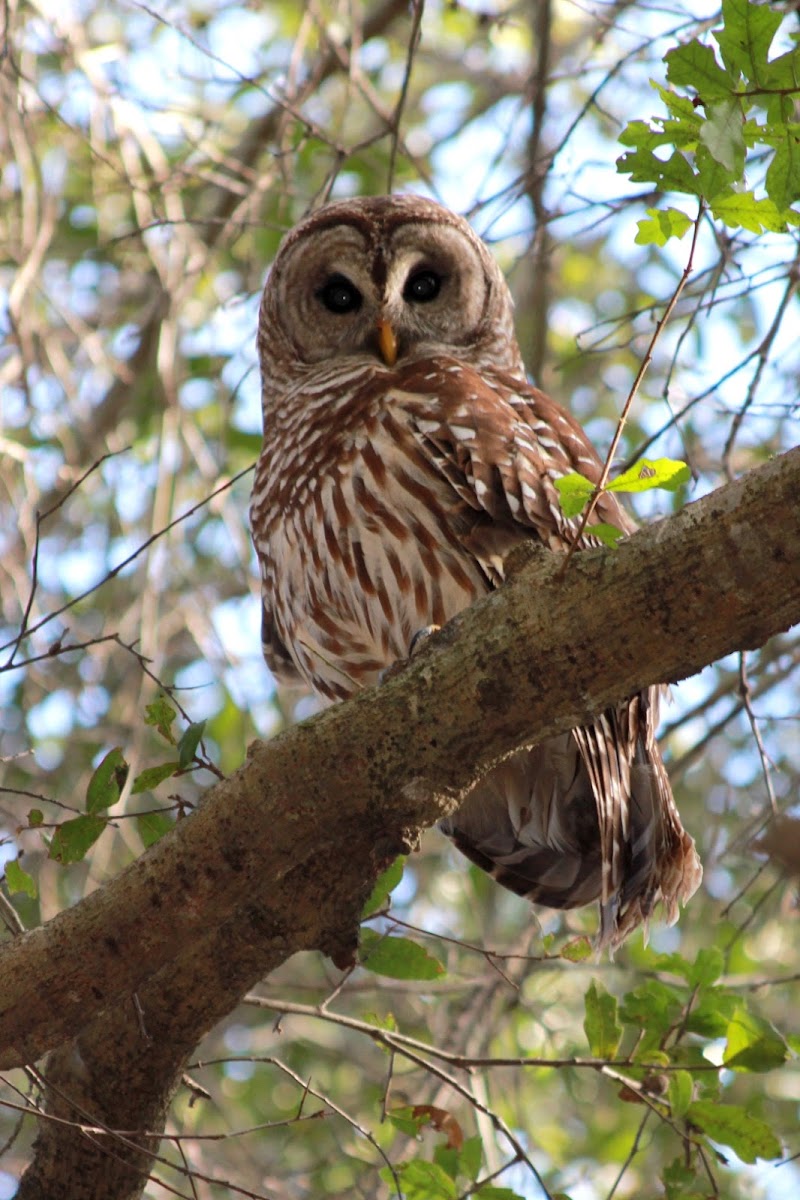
column 404, row 456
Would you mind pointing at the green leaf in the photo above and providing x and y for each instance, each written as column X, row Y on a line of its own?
column 387, row 1022
column 714, row 180
column 576, row 950
column 723, row 137
column 106, row 782
column 152, row 826
column 671, row 175
column 652, row 1007
column 386, row 882
column 678, row 1181
column 470, row 1157
column 660, row 225
column 190, row 739
column 705, row 970
column 150, row 777
column 650, row 473
column 602, row 1029
column 746, row 36
column 753, row 1044
column 18, row 880
column 783, row 174
column 71, row 840
column 681, row 1090
column 35, row 818
column 574, row 491
column 447, row 1158
column 497, row 1193
column 733, row 1126
column 397, row 957
column 707, row 967
column 406, row 1120
column 695, row 66
column 161, row 714
column 712, row 1013
column 422, row 1181
column 742, row 210
column 684, row 123
column 609, row 535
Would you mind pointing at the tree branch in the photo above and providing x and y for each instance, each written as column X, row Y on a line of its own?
column 282, row 854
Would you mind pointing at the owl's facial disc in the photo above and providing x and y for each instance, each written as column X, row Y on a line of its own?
column 388, row 290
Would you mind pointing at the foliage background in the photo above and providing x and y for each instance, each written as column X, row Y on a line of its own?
column 152, row 159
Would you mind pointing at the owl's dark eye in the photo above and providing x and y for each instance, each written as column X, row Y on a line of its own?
column 422, row 287
column 339, row 295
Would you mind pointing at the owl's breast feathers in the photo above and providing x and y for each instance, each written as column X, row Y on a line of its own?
column 389, row 504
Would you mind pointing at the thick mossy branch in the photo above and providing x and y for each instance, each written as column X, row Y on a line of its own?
column 282, row 854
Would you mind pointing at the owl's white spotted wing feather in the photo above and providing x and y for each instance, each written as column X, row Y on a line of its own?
column 588, row 815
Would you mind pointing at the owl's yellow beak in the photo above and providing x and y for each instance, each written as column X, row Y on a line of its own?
column 387, row 342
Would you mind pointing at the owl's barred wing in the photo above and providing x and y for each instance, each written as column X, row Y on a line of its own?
column 501, row 445
column 588, row 815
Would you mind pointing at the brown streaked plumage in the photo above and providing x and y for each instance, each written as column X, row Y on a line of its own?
column 404, row 456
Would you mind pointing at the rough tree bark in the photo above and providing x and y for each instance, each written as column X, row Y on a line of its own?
column 283, row 853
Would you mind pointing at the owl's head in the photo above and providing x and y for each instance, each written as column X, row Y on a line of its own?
column 383, row 280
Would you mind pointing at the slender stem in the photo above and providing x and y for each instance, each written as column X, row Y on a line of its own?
column 623, row 417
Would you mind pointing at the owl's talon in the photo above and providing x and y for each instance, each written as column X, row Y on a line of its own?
column 417, row 642
column 420, row 638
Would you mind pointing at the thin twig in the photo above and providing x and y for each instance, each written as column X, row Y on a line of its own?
column 623, row 417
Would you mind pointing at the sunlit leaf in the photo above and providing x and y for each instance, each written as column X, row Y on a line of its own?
column 403, row 1118
column 574, row 491
column 650, row 473
column 161, row 714
column 681, row 1090
column 71, row 840
column 680, row 1180
column 190, row 739
column 18, row 880
column 602, row 1029
column 753, row 1044
column 151, row 777
column 470, row 1157
column 672, row 174
column 609, row 535
column 152, row 826
column 733, row 1126
column 422, row 1180
column 746, row 35
column 397, row 957
column 660, row 225
column 712, row 1012
column 386, row 882
column 576, row 950
column 694, row 65
column 743, row 210
column 106, row 782
column 502, row 1193
column 722, row 136
column 707, row 966
column 652, row 1007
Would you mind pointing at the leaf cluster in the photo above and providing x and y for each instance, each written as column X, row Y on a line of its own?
column 730, row 112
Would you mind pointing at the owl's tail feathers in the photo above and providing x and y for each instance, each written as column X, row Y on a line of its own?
column 574, row 820
column 647, row 856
